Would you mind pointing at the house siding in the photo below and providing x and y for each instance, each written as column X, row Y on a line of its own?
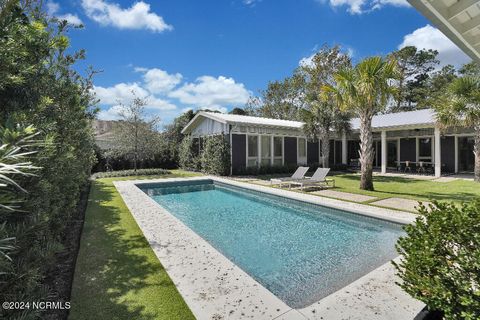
column 290, row 157
column 408, row 149
column 448, row 154
column 312, row 152
column 239, row 152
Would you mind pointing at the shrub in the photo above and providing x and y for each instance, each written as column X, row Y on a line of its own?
column 127, row 173
column 188, row 154
column 215, row 156
column 251, row 171
column 441, row 259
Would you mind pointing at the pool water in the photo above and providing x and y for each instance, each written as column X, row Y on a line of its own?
column 301, row 252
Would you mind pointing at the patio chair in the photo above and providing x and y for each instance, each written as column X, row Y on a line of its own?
column 318, row 179
column 297, row 175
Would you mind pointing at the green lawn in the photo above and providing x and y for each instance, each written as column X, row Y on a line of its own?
column 422, row 190
column 117, row 275
column 387, row 187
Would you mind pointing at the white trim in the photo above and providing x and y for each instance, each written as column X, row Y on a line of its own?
column 438, row 153
column 259, row 148
column 272, row 156
column 299, row 160
column 384, row 147
column 456, row 153
column 399, row 154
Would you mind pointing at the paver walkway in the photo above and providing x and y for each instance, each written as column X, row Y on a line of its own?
column 399, row 203
column 344, row 195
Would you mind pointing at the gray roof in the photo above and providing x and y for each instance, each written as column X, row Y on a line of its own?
column 425, row 117
column 418, row 118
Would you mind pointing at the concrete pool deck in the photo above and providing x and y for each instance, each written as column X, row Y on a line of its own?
column 215, row 288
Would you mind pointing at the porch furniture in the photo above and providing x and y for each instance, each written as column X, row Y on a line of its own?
column 299, row 174
column 408, row 168
column 318, row 179
column 421, row 167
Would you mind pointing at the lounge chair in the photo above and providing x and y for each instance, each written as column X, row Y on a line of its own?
column 299, row 174
column 318, row 179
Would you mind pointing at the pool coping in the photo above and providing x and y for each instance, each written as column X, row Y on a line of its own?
column 215, row 288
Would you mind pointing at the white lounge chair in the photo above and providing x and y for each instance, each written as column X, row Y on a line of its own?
column 318, row 179
column 299, row 174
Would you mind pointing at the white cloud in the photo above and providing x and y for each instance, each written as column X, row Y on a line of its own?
column 138, row 16
column 53, row 8
column 112, row 113
column 159, row 104
column 250, row 3
column 308, row 61
column 213, row 93
column 363, row 6
column 159, row 81
column 429, row 37
column 123, row 93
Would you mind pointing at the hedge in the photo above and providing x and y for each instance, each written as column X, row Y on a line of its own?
column 126, row 173
column 441, row 259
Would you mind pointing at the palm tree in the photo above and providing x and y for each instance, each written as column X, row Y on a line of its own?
column 364, row 90
column 320, row 113
column 460, row 106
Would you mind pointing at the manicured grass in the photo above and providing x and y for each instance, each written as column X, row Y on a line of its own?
column 400, row 187
column 117, row 275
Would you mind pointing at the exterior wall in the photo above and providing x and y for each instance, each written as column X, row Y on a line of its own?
column 290, row 152
column 312, row 152
column 338, row 152
column 209, row 127
column 448, row 154
column 408, row 149
column 239, row 152
column 331, row 159
column 352, row 150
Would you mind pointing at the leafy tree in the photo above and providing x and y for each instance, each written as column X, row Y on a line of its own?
column 441, row 259
column 438, row 84
column 215, row 156
column 281, row 99
column 189, row 154
column 172, row 137
column 238, row 111
column 320, row 113
column 460, row 106
column 135, row 136
column 364, row 90
column 470, row 69
column 39, row 86
column 414, row 67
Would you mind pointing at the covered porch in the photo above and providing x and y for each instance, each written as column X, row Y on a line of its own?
column 418, row 151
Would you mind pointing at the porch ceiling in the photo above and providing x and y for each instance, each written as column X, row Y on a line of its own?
column 459, row 20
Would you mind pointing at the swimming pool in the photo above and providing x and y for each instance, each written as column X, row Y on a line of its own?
column 301, row 252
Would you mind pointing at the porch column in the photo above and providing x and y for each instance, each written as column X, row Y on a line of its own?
column 259, row 150
column 271, row 151
column 456, row 153
column 344, row 148
column 438, row 153
column 384, row 151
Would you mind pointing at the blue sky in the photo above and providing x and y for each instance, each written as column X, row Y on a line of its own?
column 183, row 54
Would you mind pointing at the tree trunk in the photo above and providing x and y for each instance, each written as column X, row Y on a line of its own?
column 476, row 151
column 366, row 151
column 325, row 138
